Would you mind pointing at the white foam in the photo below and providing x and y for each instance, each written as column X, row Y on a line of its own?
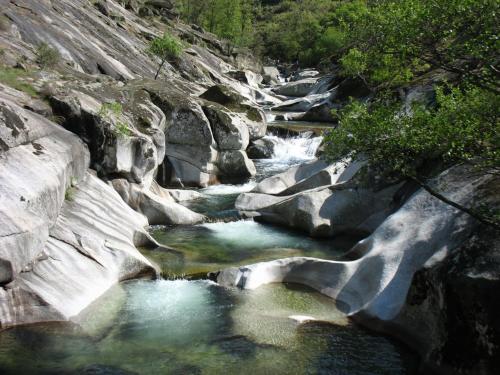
column 229, row 189
column 295, row 149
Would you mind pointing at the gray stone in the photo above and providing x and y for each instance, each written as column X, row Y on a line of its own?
column 330, row 211
column 261, row 149
column 230, row 132
column 280, row 182
column 253, row 117
column 303, row 74
column 235, row 164
column 159, row 210
column 270, row 75
column 374, row 286
column 248, row 202
column 297, row 89
column 66, row 235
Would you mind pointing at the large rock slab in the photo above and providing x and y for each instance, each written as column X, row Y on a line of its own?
column 450, row 315
column 303, row 74
column 65, row 236
column 375, row 283
column 248, row 202
column 303, row 104
column 158, row 209
column 192, row 165
column 38, row 161
column 280, row 182
column 419, row 276
column 124, row 139
column 270, row 75
column 234, row 165
column 333, row 210
column 297, row 89
column 90, row 248
column 262, row 148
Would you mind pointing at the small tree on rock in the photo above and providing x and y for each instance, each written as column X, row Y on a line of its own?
column 166, row 48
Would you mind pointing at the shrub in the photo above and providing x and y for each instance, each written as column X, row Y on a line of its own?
column 122, row 129
column 47, row 56
column 111, row 108
column 463, row 127
column 108, row 110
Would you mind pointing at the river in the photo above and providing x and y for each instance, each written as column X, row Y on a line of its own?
column 183, row 325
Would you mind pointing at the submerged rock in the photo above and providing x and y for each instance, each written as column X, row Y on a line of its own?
column 262, row 149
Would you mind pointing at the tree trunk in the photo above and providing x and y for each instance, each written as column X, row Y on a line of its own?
column 159, row 68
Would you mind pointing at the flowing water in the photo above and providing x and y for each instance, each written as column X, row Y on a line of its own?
column 218, row 201
column 197, row 327
column 210, row 247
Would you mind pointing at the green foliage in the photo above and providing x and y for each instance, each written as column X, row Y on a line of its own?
column 123, row 129
column 109, row 111
column 231, row 20
column 308, row 31
column 463, row 127
column 70, row 192
column 16, row 78
column 166, row 48
column 399, row 39
column 47, row 56
column 354, row 62
column 114, row 108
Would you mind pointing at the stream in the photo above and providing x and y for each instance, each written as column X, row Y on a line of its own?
column 181, row 326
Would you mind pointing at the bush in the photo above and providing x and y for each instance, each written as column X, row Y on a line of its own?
column 47, row 56
column 108, row 110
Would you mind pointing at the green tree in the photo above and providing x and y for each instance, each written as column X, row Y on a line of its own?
column 463, row 127
column 401, row 39
column 166, row 48
column 231, row 20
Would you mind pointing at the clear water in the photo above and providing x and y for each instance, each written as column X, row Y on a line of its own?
column 210, row 247
column 196, row 327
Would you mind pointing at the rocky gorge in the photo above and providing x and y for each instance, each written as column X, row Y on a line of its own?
column 215, row 171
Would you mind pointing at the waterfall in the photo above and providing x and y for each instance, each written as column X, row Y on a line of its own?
column 295, row 149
